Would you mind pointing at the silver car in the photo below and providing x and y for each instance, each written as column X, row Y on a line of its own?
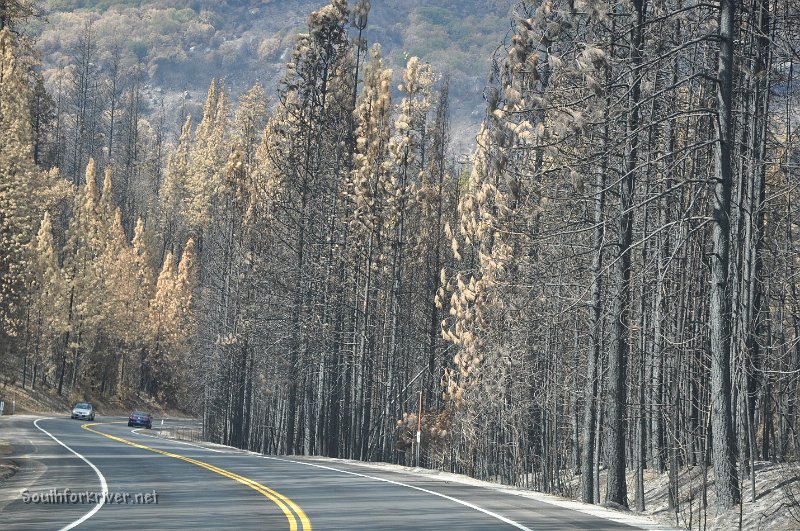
column 83, row 411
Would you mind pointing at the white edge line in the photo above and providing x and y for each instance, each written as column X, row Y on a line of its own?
column 136, row 431
column 635, row 521
column 632, row 520
column 103, row 484
column 456, row 500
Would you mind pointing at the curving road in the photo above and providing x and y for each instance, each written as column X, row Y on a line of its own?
column 200, row 487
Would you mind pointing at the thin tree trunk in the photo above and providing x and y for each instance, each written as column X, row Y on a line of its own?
column 595, row 327
column 618, row 358
column 723, row 441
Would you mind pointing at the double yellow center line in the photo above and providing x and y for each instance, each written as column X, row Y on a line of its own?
column 292, row 511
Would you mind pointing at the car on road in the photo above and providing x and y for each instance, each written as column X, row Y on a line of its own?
column 140, row 418
column 83, row 411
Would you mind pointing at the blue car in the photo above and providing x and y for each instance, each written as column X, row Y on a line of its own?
column 141, row 419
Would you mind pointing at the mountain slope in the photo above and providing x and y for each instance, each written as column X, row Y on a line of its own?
column 182, row 44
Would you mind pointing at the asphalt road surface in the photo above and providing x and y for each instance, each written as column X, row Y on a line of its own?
column 155, row 483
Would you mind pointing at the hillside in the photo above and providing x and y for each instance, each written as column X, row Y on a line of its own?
column 182, row 44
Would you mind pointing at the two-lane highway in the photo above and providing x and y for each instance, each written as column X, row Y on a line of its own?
column 148, row 482
column 188, row 497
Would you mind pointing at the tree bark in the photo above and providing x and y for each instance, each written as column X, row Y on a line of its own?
column 723, row 441
column 620, row 347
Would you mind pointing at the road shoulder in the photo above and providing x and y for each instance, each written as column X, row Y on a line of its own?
column 622, row 517
column 26, row 468
column 8, row 467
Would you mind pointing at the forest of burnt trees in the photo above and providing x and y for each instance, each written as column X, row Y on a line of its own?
column 609, row 283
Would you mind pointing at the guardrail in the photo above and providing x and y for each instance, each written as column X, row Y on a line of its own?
column 182, row 432
column 189, row 433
